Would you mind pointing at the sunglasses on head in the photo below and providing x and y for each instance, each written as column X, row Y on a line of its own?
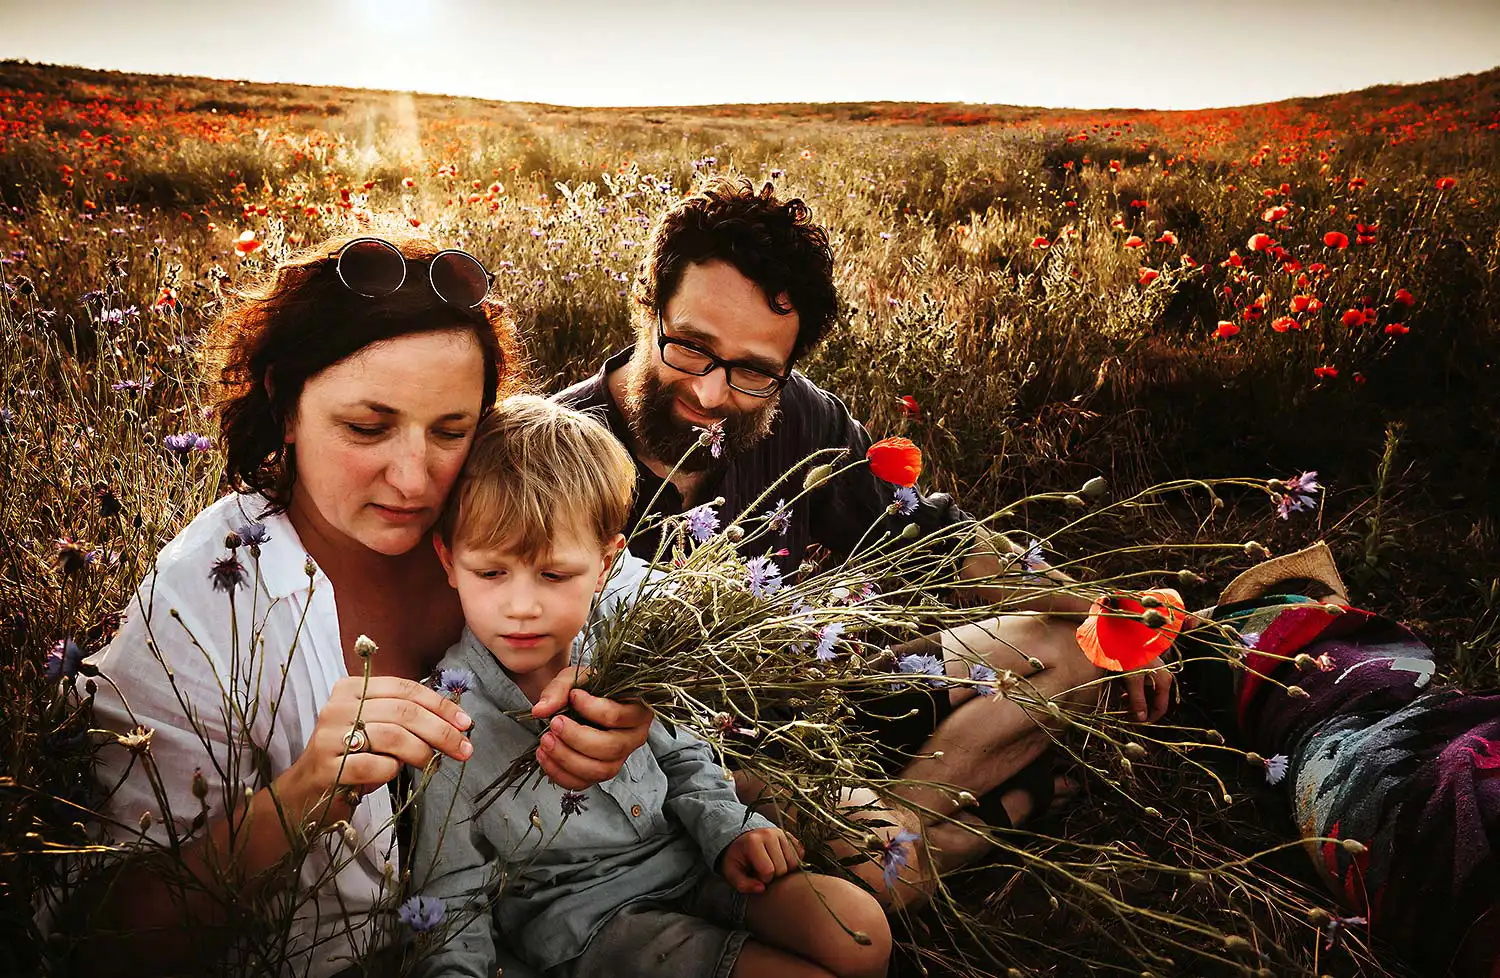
column 373, row 267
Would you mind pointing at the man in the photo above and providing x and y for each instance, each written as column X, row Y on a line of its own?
column 736, row 289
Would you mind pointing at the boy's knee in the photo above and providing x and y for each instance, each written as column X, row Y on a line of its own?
column 857, row 910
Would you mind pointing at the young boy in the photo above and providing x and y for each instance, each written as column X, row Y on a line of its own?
column 659, row 871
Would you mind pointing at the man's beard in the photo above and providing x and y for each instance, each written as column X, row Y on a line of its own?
column 648, row 407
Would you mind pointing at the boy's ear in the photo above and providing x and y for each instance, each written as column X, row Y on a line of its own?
column 445, row 556
column 611, row 551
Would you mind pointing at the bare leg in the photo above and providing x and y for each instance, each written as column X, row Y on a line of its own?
column 809, row 917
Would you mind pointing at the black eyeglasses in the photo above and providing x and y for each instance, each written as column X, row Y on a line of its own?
column 373, row 267
column 697, row 361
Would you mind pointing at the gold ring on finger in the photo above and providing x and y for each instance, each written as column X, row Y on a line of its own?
column 356, row 740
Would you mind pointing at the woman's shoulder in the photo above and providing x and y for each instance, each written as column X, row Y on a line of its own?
column 200, row 560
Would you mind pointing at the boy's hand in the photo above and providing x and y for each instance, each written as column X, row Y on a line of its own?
column 758, row 857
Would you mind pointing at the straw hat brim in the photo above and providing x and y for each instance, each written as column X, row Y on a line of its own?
column 1313, row 563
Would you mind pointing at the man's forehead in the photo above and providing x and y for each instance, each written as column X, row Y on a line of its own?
column 717, row 305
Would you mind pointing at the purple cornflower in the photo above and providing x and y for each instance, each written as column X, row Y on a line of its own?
column 1276, row 768
column 779, row 519
column 133, row 386
column 1032, row 560
column 923, row 665
column 181, row 444
column 1297, row 494
column 227, row 574
column 63, row 659
column 455, row 682
column 422, row 913
column 7, row 418
column 894, row 856
column 828, row 637
column 981, row 673
column 574, row 802
column 1337, row 924
column 905, row 500
column 252, row 534
column 713, row 437
column 702, row 521
column 764, row 577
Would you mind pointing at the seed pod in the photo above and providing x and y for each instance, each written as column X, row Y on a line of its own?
column 200, row 786
column 364, row 647
column 1297, row 692
column 1095, row 488
column 1134, row 749
column 817, row 476
column 1354, row 847
column 1234, row 942
column 1186, row 576
column 1074, row 501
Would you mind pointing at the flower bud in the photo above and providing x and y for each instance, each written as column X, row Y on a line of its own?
column 232, row 540
column 817, row 476
column 364, row 647
column 1354, row 847
column 1074, row 501
column 1319, row 917
column 1095, row 488
column 200, row 786
column 1152, row 811
column 966, row 799
column 1255, row 551
column 1035, row 663
column 1234, row 942
column 1186, row 577
column 1197, row 877
column 1213, row 736
column 1228, row 798
column 146, row 821
column 1150, row 601
column 1217, row 503
column 1297, row 692
column 861, row 938
column 1304, row 661
column 1255, row 758
column 1126, row 767
column 351, row 837
column 735, row 533
column 309, row 568
column 909, row 531
column 1333, row 609
column 1135, row 750
column 1154, row 619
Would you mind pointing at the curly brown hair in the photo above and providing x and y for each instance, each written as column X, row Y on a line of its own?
column 772, row 242
column 300, row 320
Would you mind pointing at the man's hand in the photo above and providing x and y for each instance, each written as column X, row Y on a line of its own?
column 1160, row 677
column 758, row 857
column 576, row 753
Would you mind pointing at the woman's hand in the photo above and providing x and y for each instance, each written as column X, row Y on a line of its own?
column 575, row 755
column 1160, row 677
column 401, row 722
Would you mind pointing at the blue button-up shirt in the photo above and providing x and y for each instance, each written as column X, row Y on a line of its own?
column 649, row 833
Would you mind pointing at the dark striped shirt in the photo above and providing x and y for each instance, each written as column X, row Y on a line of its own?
column 836, row 516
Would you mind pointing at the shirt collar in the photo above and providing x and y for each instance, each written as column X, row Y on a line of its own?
column 283, row 559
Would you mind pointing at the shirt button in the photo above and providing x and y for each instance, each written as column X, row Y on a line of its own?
column 635, row 811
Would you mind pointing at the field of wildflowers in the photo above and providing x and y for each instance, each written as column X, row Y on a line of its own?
column 1034, row 297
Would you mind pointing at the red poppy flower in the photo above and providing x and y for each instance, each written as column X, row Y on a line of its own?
column 1356, row 183
column 1405, row 298
column 1226, row 330
column 1446, row 183
column 1134, row 241
column 1396, row 329
column 1167, row 237
column 909, row 406
column 408, row 183
column 1322, row 372
column 1254, row 311
column 1114, row 637
column 1114, row 166
column 896, row 460
column 1317, row 268
column 1302, row 303
column 1353, row 317
column 1285, row 323
column 1336, row 239
column 1039, row 242
column 1274, row 213
column 247, row 244
column 1261, row 242
column 1234, row 260
column 1148, row 275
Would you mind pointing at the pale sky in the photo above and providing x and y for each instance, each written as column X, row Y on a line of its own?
column 1061, row 53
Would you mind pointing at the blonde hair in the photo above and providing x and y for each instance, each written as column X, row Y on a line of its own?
column 536, row 468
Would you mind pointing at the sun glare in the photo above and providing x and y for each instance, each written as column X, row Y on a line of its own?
column 393, row 16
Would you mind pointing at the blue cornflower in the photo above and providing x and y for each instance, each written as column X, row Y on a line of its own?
column 1297, row 494
column 63, row 659
column 422, row 913
column 181, row 444
column 702, row 521
column 713, row 437
column 828, row 637
column 133, row 386
column 981, row 673
column 574, row 802
column 779, row 518
column 923, row 665
column 7, row 418
column 1032, row 560
column 227, row 574
column 1276, row 768
column 894, row 856
column 455, row 682
column 764, row 576
column 905, row 500
column 252, row 534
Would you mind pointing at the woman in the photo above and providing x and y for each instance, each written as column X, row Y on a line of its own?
column 354, row 378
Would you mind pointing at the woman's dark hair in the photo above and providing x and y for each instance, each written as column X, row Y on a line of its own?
column 299, row 321
column 770, row 241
